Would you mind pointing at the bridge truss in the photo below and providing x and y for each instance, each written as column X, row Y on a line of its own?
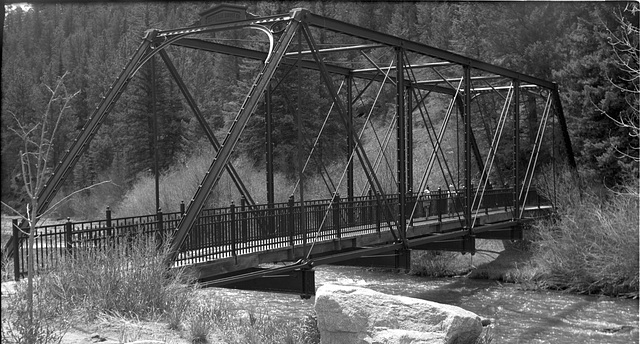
column 417, row 72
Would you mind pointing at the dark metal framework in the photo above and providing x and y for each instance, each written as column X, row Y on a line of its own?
column 459, row 77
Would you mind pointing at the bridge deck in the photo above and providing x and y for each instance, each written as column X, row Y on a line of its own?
column 233, row 239
column 423, row 230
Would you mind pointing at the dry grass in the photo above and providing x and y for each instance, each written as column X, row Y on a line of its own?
column 131, row 285
column 246, row 324
column 592, row 245
column 127, row 280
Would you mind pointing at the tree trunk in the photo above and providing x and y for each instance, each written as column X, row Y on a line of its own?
column 31, row 335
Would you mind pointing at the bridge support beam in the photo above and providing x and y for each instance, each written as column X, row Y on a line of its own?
column 466, row 244
column 300, row 281
column 396, row 259
column 514, row 233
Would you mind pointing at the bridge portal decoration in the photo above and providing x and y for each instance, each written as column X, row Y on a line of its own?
column 416, row 71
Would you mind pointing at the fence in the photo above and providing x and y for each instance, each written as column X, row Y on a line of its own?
column 236, row 230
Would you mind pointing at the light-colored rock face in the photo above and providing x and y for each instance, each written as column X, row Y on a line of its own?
column 357, row 315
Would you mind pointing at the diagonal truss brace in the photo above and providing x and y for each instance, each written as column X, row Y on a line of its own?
column 224, row 154
column 205, row 126
column 362, row 156
column 472, row 136
column 81, row 143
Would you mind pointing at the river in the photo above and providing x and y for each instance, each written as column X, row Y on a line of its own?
column 517, row 316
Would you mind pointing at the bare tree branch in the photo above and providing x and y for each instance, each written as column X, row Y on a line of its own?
column 626, row 49
column 14, row 210
column 71, row 195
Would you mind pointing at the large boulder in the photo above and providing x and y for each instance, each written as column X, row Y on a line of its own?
column 356, row 315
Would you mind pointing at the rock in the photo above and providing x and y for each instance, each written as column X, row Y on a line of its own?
column 357, row 315
column 486, row 322
column 404, row 336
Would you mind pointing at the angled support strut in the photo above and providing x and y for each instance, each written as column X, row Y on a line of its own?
column 224, row 154
column 366, row 164
column 205, row 126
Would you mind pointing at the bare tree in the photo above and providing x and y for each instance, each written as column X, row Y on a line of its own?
column 626, row 47
column 37, row 140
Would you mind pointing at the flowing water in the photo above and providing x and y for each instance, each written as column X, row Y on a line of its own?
column 517, row 316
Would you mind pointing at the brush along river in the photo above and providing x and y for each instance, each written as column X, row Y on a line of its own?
column 517, row 316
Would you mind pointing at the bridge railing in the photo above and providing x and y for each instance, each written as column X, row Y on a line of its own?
column 240, row 229
column 53, row 240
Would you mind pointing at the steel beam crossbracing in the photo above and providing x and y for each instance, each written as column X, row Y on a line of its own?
column 401, row 145
column 194, row 43
column 81, row 143
column 467, row 149
column 362, row 156
column 528, row 177
column 493, row 149
column 472, row 137
column 224, row 154
column 205, row 126
column 378, row 37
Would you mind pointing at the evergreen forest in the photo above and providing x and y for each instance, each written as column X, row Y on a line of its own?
column 579, row 45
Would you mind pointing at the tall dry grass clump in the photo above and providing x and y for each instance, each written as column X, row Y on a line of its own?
column 130, row 280
column 591, row 246
column 247, row 324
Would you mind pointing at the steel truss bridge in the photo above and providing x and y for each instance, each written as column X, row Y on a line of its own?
column 276, row 245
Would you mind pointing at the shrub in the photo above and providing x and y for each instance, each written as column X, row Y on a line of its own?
column 592, row 244
column 200, row 324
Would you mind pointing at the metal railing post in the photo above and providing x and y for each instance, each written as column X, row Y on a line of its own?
column 506, row 204
column 109, row 227
column 439, row 205
column 16, row 244
column 243, row 209
column 378, row 212
column 336, row 214
column 182, row 208
column 68, row 235
column 159, row 229
column 232, row 227
column 370, row 209
column 290, row 221
column 410, row 205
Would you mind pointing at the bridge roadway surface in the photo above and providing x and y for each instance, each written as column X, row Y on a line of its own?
column 362, row 241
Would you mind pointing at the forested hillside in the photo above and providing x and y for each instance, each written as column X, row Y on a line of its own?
column 570, row 43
